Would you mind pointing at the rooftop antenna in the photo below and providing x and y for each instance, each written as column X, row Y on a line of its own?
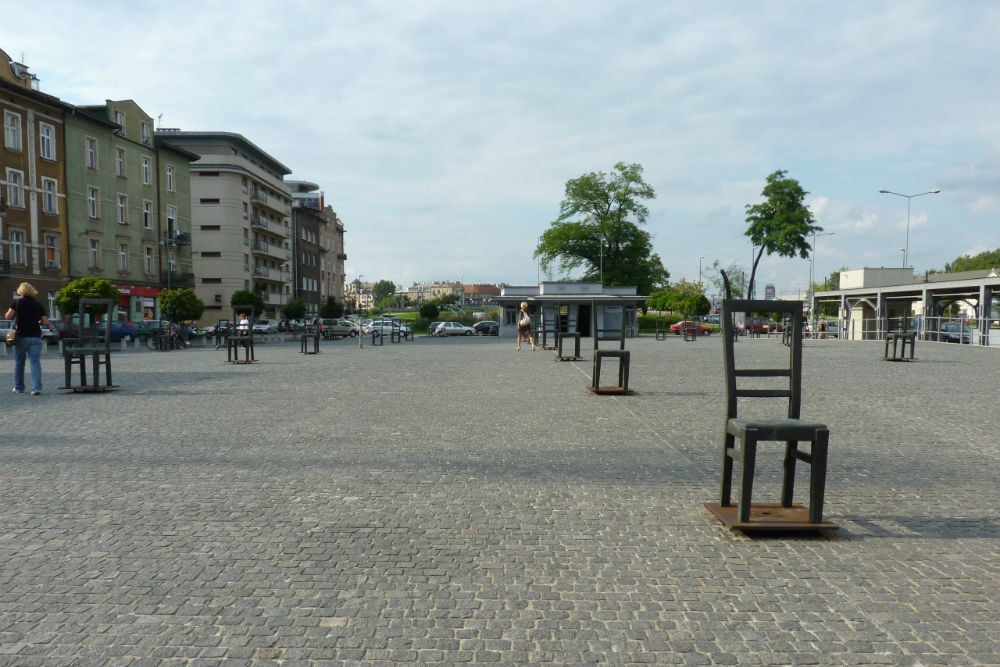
column 159, row 119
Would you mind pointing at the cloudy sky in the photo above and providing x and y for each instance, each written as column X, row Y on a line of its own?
column 443, row 133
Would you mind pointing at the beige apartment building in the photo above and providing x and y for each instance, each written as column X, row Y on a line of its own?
column 241, row 236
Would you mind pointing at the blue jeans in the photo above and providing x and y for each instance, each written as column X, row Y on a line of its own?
column 32, row 349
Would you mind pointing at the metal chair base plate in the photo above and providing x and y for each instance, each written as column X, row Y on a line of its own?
column 616, row 391
column 90, row 389
column 769, row 516
column 569, row 358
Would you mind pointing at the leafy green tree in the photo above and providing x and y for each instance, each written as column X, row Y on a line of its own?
column 382, row 291
column 984, row 260
column 429, row 310
column 781, row 223
column 180, row 305
column 247, row 301
column 331, row 309
column 598, row 227
column 295, row 309
column 88, row 287
column 684, row 297
column 737, row 279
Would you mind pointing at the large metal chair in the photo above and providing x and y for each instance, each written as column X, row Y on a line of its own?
column 241, row 339
column 789, row 428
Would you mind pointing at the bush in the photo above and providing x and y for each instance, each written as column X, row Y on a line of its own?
column 420, row 324
column 429, row 311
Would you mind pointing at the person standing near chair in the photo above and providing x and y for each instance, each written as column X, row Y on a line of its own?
column 524, row 327
column 28, row 315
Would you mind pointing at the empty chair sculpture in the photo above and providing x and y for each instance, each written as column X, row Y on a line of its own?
column 787, row 428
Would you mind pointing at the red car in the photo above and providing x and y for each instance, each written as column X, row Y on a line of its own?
column 680, row 326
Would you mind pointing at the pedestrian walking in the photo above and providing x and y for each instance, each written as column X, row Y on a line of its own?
column 524, row 327
column 28, row 316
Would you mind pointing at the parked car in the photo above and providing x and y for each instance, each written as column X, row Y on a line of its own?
column 385, row 327
column 712, row 318
column 760, row 325
column 487, row 328
column 454, row 329
column 951, row 332
column 703, row 330
column 265, row 326
column 338, row 327
column 50, row 334
column 432, row 328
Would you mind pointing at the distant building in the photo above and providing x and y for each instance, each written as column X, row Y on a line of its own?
column 591, row 309
column 317, row 247
column 477, row 295
column 420, row 292
column 243, row 234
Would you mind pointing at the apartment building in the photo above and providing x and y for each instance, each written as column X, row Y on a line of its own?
column 129, row 205
column 33, row 212
column 317, row 247
column 242, row 237
column 477, row 294
column 420, row 292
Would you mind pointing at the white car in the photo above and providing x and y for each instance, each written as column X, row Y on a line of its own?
column 265, row 326
column 385, row 328
column 454, row 329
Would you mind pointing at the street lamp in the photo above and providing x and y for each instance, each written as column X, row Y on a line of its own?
column 903, row 250
column 906, row 250
column 812, row 265
column 699, row 269
column 357, row 308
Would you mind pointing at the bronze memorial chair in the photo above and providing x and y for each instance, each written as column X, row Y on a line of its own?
column 789, row 428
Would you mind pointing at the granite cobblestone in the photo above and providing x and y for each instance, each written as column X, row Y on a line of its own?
column 454, row 502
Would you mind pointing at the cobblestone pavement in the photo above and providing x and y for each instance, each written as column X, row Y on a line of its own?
column 455, row 502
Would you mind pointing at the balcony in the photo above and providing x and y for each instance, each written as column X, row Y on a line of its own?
column 261, row 272
column 259, row 221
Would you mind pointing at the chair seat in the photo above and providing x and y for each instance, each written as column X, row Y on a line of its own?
column 775, row 429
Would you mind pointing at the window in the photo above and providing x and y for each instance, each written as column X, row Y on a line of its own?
column 171, row 219
column 145, row 170
column 122, row 257
column 147, row 259
column 146, row 133
column 17, row 246
column 50, row 198
column 95, row 253
column 47, row 141
column 245, row 189
column 15, row 188
column 51, row 250
column 90, row 152
column 212, row 253
column 122, row 210
column 120, row 120
column 211, row 200
column 170, row 178
column 93, row 203
column 12, row 130
column 120, row 162
column 147, row 215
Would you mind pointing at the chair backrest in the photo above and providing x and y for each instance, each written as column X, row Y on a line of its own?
column 100, row 333
column 793, row 370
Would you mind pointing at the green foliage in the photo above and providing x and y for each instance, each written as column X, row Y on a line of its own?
column 180, row 305
column 429, row 310
column 984, row 260
column 382, row 292
column 781, row 223
column 683, row 297
column 88, row 287
column 598, row 225
column 420, row 324
column 737, row 279
column 331, row 309
column 295, row 309
column 247, row 301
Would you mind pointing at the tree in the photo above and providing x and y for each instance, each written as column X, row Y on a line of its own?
column 331, row 309
column 597, row 230
column 247, row 301
column 88, row 287
column 683, row 297
column 382, row 291
column 737, row 279
column 180, row 305
column 295, row 309
column 429, row 310
column 781, row 223
column 984, row 260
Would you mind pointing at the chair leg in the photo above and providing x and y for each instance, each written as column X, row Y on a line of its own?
column 817, row 480
column 597, row 371
column 788, row 479
column 748, row 458
column 726, row 489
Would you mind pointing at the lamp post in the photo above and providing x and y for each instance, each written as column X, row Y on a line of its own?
column 699, row 269
column 903, row 250
column 812, row 265
column 906, row 250
column 357, row 305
